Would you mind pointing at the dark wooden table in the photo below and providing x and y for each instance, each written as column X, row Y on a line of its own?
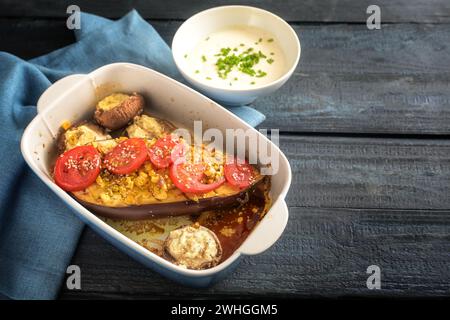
column 365, row 123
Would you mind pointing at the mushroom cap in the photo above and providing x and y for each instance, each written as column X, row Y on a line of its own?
column 120, row 115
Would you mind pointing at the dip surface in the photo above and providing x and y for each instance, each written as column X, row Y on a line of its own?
column 238, row 57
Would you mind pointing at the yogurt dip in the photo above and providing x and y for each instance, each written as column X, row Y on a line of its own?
column 238, row 57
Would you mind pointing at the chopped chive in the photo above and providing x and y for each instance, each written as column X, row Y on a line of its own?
column 207, row 38
column 197, row 71
column 272, row 53
column 260, row 40
column 270, row 61
column 225, row 51
column 242, row 44
column 186, row 55
column 203, row 58
column 208, row 78
column 270, row 40
column 261, row 55
column 244, row 62
column 261, row 74
column 253, row 82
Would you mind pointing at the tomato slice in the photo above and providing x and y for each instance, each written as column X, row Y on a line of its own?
column 126, row 157
column 77, row 168
column 240, row 175
column 188, row 176
column 166, row 150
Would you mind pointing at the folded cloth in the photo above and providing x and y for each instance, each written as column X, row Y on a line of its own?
column 38, row 233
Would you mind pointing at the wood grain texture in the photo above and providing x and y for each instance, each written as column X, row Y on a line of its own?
column 28, row 39
column 368, row 173
column 350, row 79
column 323, row 252
column 430, row 11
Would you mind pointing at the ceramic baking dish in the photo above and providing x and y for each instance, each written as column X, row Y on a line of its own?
column 73, row 98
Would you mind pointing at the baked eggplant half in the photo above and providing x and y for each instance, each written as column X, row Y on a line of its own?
column 147, row 184
column 118, row 109
column 135, row 178
column 176, row 204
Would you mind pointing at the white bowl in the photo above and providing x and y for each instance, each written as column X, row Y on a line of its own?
column 199, row 26
column 73, row 98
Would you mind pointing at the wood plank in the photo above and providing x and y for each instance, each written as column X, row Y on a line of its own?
column 323, row 252
column 430, row 11
column 350, row 80
column 368, row 173
column 31, row 38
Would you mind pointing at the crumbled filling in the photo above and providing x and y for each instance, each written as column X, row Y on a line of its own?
column 112, row 101
column 212, row 159
column 66, row 124
column 192, row 246
column 137, row 184
column 105, row 146
column 145, row 127
column 82, row 135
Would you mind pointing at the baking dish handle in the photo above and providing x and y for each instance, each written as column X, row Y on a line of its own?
column 56, row 89
column 268, row 231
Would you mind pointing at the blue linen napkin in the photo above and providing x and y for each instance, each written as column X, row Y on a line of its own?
column 38, row 233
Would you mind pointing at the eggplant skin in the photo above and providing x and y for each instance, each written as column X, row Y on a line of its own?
column 167, row 209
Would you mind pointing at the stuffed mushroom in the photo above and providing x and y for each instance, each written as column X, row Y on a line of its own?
column 118, row 109
column 147, row 127
column 193, row 247
column 79, row 135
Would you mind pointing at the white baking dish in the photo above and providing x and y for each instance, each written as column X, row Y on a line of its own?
column 73, row 98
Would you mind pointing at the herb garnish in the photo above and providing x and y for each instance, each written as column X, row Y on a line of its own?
column 244, row 62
